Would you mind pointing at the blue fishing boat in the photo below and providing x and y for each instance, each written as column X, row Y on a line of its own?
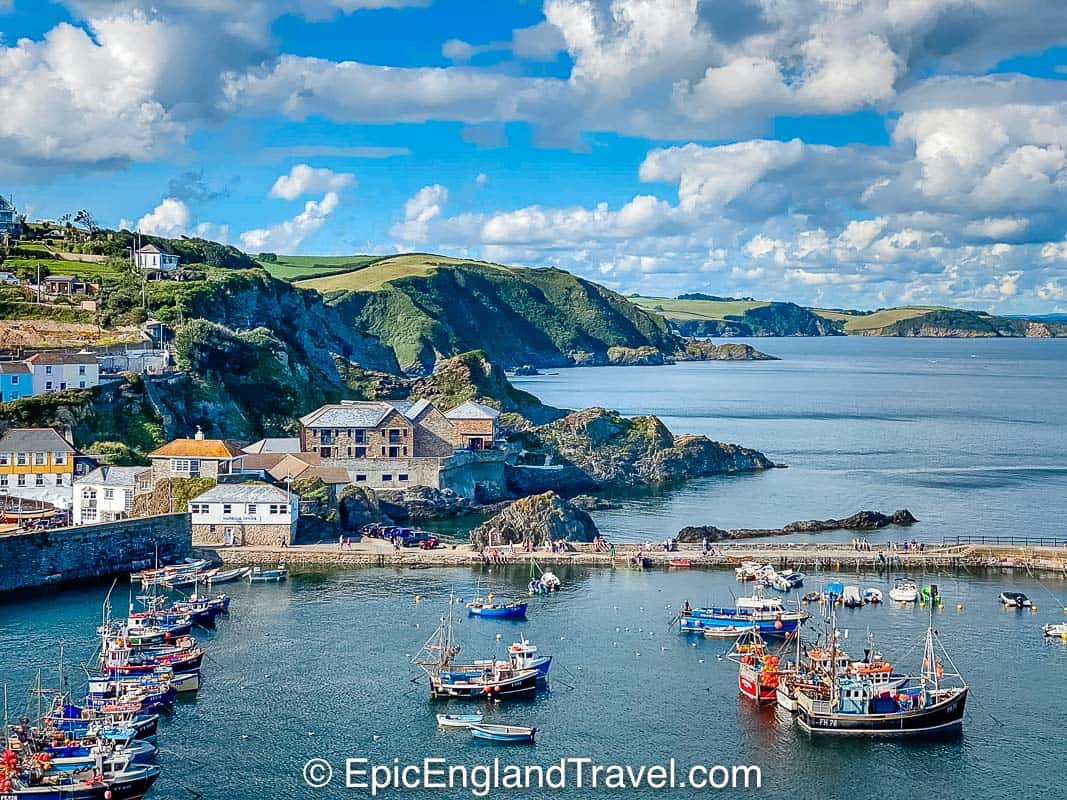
column 766, row 615
column 114, row 758
column 480, row 608
column 507, row 734
column 129, row 784
column 79, row 722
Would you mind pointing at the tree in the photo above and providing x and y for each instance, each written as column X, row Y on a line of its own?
column 268, row 258
column 86, row 220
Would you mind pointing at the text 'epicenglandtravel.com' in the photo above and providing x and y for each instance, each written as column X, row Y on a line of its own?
column 366, row 777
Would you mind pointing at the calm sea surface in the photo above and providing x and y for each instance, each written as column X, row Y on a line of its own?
column 319, row 667
column 969, row 435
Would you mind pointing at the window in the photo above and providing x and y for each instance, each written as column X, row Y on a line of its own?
column 81, row 370
column 81, row 384
column 128, row 498
column 189, row 465
column 361, row 478
column 59, row 459
column 359, row 436
column 59, row 480
column 3, row 480
column 5, row 459
column 395, row 435
column 251, row 509
column 109, row 494
column 48, row 371
column 198, row 508
column 88, row 515
column 403, row 476
column 361, row 452
column 38, row 480
column 48, row 386
column 394, row 452
column 14, row 380
column 227, row 508
column 386, row 477
column 22, row 480
column 21, row 459
column 39, row 460
column 279, row 508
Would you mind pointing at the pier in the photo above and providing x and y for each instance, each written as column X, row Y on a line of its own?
column 809, row 557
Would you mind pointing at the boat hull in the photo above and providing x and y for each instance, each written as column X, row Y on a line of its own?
column 755, row 686
column 516, row 611
column 504, row 734
column 460, row 685
column 779, row 625
column 940, row 717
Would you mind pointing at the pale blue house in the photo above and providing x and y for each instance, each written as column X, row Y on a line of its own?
column 16, row 380
column 8, row 223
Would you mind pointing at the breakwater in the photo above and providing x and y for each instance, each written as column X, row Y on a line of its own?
column 799, row 556
column 68, row 555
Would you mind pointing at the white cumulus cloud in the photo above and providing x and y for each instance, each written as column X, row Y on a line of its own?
column 285, row 237
column 304, row 179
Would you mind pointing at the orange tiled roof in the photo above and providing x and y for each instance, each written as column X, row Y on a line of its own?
column 197, row 448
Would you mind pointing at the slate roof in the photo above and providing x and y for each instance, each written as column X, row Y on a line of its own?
column 15, row 368
column 362, row 413
column 472, row 410
column 62, row 358
column 34, row 440
column 244, row 493
column 287, row 445
column 112, row 476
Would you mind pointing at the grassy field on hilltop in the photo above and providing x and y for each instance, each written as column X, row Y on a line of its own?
column 372, row 276
column 30, row 254
column 696, row 309
column 854, row 322
column 295, row 268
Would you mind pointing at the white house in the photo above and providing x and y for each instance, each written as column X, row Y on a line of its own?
column 104, row 495
column 151, row 258
column 56, row 372
column 244, row 513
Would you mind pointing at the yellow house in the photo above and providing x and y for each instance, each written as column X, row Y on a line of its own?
column 35, row 457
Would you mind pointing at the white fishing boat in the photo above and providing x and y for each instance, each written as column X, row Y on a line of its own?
column 258, row 575
column 459, row 720
column 228, row 575
column 872, row 596
column 1015, row 600
column 728, row 632
column 1055, row 629
column 904, row 591
column 852, row 597
column 781, row 583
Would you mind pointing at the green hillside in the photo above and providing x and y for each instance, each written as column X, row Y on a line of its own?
column 691, row 316
column 426, row 307
column 858, row 322
column 295, row 268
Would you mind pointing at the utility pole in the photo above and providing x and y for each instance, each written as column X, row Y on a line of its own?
column 38, row 282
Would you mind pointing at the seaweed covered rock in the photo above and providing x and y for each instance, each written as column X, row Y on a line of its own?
column 534, row 521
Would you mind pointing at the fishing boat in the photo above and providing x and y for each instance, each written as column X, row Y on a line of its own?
column 857, row 705
column 458, row 720
column 507, row 734
column 1055, row 629
column 228, row 575
column 130, row 784
column 851, row 597
column 202, row 610
column 872, row 596
column 766, row 614
column 496, row 680
column 757, row 672
column 119, row 659
column 524, row 655
column 259, row 575
column 781, row 583
column 1015, row 600
column 795, row 579
column 752, row 571
column 480, row 608
column 904, row 591
column 78, row 722
column 542, row 581
column 113, row 757
column 156, row 576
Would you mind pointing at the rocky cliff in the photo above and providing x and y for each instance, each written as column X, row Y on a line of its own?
column 703, row 350
column 772, row 319
column 535, row 521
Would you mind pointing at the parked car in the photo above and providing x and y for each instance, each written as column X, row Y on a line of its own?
column 431, row 544
column 416, row 538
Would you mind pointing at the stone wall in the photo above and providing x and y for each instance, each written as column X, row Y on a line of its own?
column 67, row 555
column 475, row 473
column 433, row 434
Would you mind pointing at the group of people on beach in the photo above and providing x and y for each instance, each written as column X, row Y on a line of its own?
column 861, row 545
column 344, row 542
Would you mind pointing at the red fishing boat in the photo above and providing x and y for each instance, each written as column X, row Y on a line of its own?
column 758, row 671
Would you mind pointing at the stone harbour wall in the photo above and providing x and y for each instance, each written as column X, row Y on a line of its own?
column 85, row 552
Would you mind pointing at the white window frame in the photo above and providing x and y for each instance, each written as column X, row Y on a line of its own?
column 22, row 459
column 59, row 459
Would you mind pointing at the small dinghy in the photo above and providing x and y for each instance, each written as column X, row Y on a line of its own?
column 729, row 632
column 258, row 575
column 872, row 596
column 228, row 575
column 812, row 597
column 510, row 734
column 1015, row 600
column 479, row 608
column 459, row 720
column 679, row 563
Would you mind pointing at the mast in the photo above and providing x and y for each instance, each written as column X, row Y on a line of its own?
column 929, row 667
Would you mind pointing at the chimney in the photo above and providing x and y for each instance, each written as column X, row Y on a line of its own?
column 199, row 435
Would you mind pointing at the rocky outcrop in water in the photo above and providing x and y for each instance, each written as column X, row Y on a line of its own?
column 636, row 357
column 860, row 521
column 703, row 350
column 535, row 521
column 603, row 448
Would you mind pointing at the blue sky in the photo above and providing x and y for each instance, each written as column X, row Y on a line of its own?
column 862, row 154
